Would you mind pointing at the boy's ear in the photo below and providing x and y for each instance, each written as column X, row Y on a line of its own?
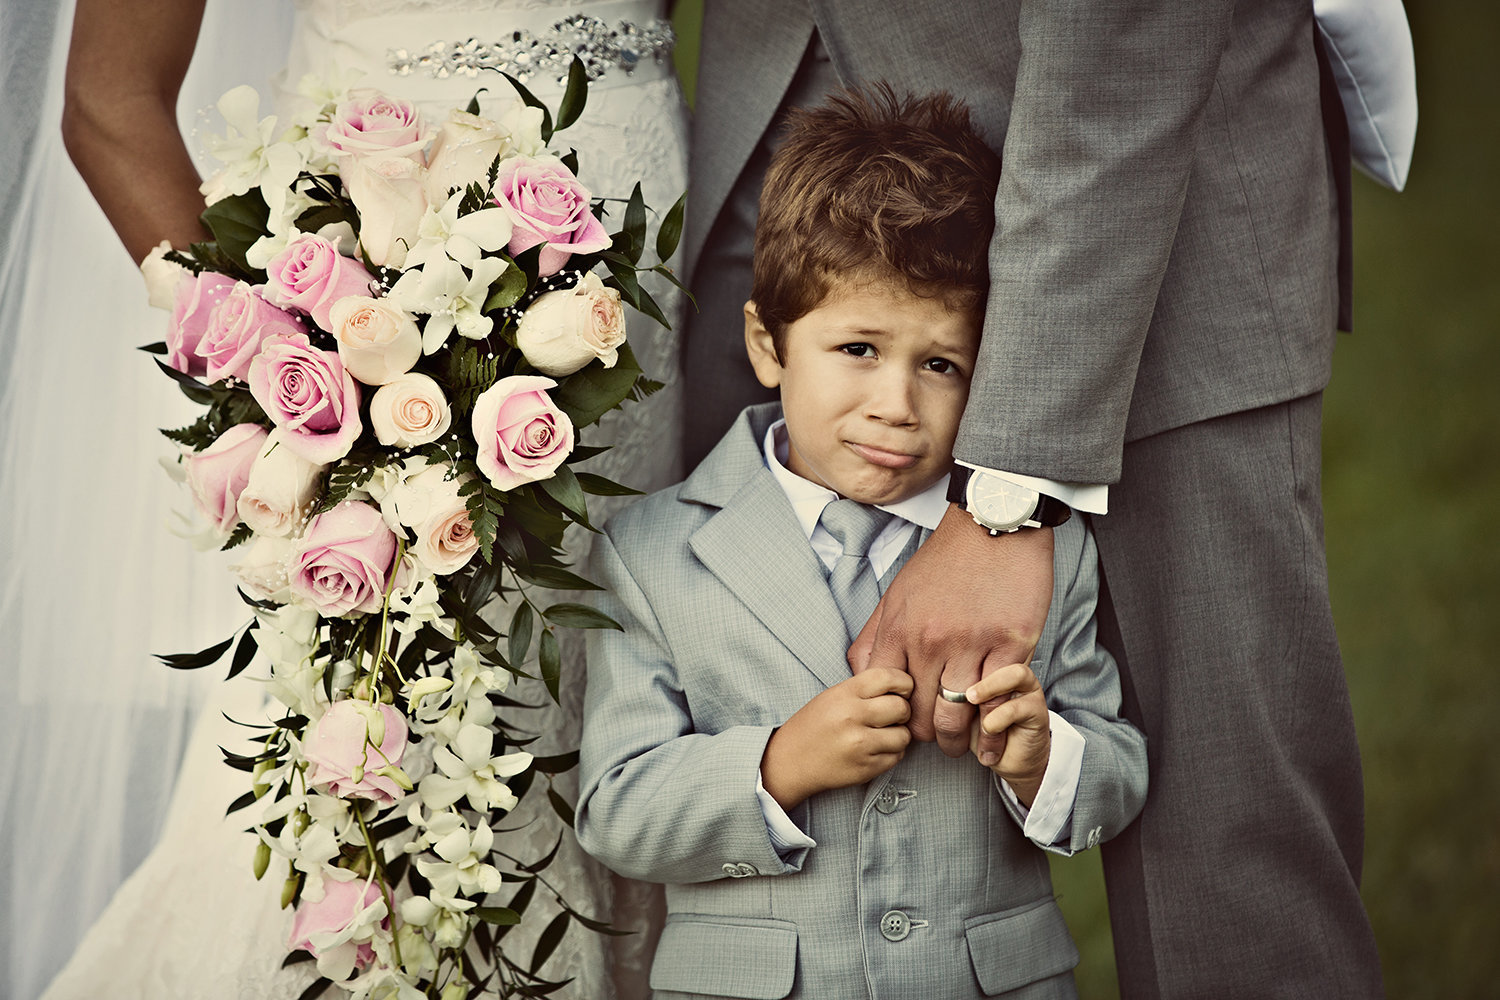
column 761, row 348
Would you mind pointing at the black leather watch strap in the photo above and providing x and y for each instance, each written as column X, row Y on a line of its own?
column 1049, row 513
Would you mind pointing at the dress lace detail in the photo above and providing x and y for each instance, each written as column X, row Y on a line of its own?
column 192, row 922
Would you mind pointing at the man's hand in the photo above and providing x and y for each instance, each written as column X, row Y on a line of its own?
column 965, row 604
column 844, row 736
column 1021, row 721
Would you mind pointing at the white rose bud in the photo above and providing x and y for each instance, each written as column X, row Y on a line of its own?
column 378, row 341
column 162, row 277
column 462, row 153
column 263, row 568
column 563, row 331
column 387, row 193
column 281, row 489
column 409, row 410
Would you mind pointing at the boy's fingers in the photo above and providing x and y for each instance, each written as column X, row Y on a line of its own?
column 878, row 681
column 991, row 741
column 1013, row 678
column 889, row 710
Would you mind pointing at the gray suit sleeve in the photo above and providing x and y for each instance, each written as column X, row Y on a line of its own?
column 1103, row 130
column 658, row 801
column 1082, row 682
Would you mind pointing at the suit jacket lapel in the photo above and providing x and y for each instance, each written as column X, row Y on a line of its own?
column 755, row 547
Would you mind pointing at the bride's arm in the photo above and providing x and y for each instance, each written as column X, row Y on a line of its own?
column 126, row 62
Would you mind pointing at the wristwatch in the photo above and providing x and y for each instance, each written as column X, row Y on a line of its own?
column 999, row 505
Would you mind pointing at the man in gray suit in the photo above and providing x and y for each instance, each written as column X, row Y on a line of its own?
column 1166, row 285
column 810, row 850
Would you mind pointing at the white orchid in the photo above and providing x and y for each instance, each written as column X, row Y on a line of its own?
column 443, row 232
column 451, row 297
column 463, row 867
column 252, row 157
column 469, row 771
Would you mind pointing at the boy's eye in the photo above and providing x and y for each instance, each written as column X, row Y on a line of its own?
column 940, row 365
column 858, row 350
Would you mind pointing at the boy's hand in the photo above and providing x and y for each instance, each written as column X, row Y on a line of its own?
column 1021, row 720
column 844, row 736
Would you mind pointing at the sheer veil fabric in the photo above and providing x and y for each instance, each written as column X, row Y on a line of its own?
column 93, row 581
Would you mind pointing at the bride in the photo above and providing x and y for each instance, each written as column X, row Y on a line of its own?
column 192, row 921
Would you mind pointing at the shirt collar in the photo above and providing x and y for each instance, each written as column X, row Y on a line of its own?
column 808, row 498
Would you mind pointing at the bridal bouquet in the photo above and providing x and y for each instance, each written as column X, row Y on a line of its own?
column 398, row 333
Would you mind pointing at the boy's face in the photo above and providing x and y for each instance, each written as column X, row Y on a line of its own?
column 874, row 383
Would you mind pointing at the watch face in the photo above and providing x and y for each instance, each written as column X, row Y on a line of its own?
column 999, row 503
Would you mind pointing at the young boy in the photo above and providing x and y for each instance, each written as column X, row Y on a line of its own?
column 809, row 849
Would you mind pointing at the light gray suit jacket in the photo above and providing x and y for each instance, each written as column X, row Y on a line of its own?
column 921, row 882
column 1166, row 246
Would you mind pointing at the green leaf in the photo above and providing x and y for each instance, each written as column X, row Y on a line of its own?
column 570, row 160
column 563, row 487
column 588, row 394
column 541, row 863
column 635, row 224
column 556, row 764
column 473, row 107
column 601, row 487
column 507, row 289
column 520, row 633
column 160, row 347
column 560, row 806
column 237, row 222
column 648, row 306
column 192, row 661
column 317, row 989
column 556, row 578
column 670, row 233
column 239, row 536
column 530, row 100
column 550, row 939
column 243, row 654
column 571, row 614
column 624, row 277
column 574, row 97
column 501, row 915
column 549, row 658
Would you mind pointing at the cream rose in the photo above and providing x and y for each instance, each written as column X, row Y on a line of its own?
column 378, row 341
column 281, row 488
column 262, row 570
column 563, row 331
column 387, row 193
column 162, row 276
column 430, row 505
column 409, row 410
column 465, row 147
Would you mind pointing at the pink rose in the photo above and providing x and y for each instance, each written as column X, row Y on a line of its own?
column 310, row 275
column 308, row 394
column 196, row 299
column 237, row 329
column 325, row 927
column 344, row 560
column 352, row 741
column 522, row 436
column 547, row 205
column 371, row 123
column 218, row 474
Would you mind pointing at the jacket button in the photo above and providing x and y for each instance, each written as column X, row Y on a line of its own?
column 746, row 870
column 887, row 801
column 895, row 925
column 732, row 870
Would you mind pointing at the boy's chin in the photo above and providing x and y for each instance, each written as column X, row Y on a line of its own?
column 891, row 491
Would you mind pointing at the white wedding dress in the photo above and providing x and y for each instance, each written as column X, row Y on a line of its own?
column 192, row 922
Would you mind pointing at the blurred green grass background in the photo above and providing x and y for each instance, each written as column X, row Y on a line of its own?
column 1411, row 483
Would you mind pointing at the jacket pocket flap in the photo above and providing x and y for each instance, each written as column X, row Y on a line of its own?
column 1017, row 947
column 726, row 956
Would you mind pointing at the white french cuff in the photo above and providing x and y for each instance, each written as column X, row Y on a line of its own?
column 786, row 836
column 1050, row 818
column 1088, row 497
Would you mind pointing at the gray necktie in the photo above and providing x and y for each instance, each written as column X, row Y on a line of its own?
column 852, row 580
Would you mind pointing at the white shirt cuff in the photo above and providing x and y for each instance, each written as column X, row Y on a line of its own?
column 1088, row 497
column 786, row 836
column 1050, row 818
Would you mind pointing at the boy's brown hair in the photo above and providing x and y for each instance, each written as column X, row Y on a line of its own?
column 871, row 185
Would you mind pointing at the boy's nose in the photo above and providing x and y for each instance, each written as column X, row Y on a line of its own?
column 894, row 399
